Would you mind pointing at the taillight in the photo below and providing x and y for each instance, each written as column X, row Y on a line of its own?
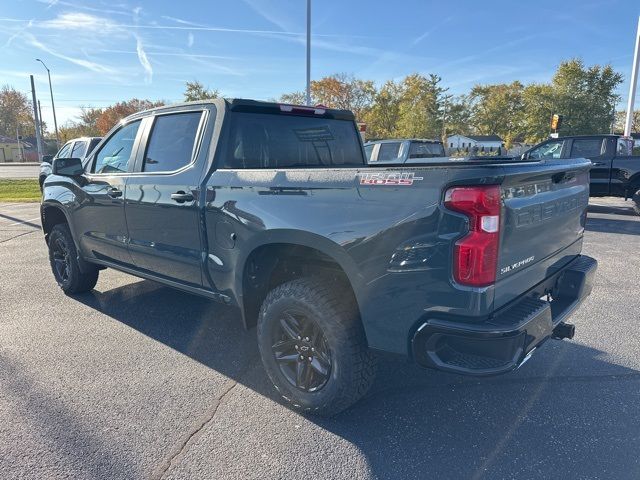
column 475, row 256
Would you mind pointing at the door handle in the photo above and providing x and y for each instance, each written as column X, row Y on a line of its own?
column 598, row 164
column 114, row 192
column 182, row 197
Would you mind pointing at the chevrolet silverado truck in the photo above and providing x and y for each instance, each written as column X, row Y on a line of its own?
column 615, row 171
column 466, row 267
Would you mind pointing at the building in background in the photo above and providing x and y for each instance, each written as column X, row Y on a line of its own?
column 484, row 143
column 12, row 151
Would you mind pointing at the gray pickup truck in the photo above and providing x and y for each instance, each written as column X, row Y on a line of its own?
column 271, row 208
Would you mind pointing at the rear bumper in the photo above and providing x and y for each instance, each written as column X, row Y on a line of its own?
column 508, row 338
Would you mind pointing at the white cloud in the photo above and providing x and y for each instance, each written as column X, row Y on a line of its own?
column 144, row 61
column 79, row 21
column 95, row 67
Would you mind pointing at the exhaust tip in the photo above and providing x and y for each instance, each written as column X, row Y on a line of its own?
column 564, row 330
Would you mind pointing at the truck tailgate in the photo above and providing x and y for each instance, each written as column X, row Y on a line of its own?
column 544, row 213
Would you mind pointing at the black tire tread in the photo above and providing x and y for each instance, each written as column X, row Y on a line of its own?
column 79, row 281
column 324, row 292
column 636, row 202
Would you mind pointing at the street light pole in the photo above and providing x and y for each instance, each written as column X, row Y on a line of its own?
column 633, row 84
column 53, row 107
column 308, row 52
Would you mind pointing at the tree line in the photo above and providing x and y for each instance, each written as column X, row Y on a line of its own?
column 418, row 106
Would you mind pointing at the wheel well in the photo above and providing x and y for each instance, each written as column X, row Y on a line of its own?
column 271, row 265
column 51, row 216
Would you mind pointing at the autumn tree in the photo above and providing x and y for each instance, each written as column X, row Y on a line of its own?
column 621, row 118
column 113, row 114
column 420, row 108
column 382, row 117
column 337, row 91
column 498, row 110
column 15, row 113
column 197, row 91
column 86, row 125
column 585, row 97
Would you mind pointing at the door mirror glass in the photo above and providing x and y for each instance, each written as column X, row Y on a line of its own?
column 47, row 158
column 68, row 167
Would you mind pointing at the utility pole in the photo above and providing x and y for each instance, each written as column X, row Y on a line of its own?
column 53, row 106
column 36, row 118
column 41, row 121
column 308, row 52
column 633, row 84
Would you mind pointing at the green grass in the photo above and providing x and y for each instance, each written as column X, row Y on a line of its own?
column 26, row 190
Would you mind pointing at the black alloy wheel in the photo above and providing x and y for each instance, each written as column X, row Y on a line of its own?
column 301, row 351
column 61, row 260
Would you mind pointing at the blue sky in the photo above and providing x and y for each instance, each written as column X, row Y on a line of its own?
column 101, row 52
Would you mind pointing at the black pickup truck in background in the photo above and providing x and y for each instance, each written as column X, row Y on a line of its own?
column 466, row 267
column 616, row 162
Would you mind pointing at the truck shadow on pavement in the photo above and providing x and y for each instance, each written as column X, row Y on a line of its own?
column 613, row 225
column 569, row 412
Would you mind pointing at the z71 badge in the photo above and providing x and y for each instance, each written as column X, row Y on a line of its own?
column 385, row 178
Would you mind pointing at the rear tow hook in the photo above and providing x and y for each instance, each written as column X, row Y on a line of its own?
column 564, row 330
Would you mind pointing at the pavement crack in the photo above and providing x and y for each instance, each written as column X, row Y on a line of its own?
column 183, row 447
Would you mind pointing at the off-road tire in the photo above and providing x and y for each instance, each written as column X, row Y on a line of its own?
column 353, row 365
column 61, row 247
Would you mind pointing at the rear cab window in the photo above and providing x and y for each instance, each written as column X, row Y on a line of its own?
column 267, row 140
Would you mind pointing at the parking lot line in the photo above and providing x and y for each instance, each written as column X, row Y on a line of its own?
column 23, row 221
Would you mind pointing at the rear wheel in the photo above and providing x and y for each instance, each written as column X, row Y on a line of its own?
column 63, row 258
column 313, row 346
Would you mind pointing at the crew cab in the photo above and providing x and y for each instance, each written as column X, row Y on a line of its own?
column 75, row 148
column 403, row 151
column 616, row 162
column 466, row 267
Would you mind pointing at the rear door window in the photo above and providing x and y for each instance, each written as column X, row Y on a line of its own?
column 368, row 150
column 586, row 147
column 389, row 151
column 259, row 140
column 114, row 156
column 172, row 141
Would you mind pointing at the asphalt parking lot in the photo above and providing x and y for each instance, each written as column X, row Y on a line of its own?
column 135, row 380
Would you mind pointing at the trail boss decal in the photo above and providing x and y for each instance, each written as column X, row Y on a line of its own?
column 402, row 178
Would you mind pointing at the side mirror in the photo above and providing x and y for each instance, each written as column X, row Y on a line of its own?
column 524, row 156
column 68, row 167
column 47, row 159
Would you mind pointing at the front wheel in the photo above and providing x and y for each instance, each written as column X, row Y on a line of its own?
column 65, row 265
column 313, row 346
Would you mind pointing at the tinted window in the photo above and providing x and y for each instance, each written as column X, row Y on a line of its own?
column 79, row 150
column 389, row 151
column 92, row 144
column 368, row 150
column 426, row 150
column 171, row 144
column 64, row 151
column 548, row 150
column 586, row 147
column 260, row 140
column 114, row 156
